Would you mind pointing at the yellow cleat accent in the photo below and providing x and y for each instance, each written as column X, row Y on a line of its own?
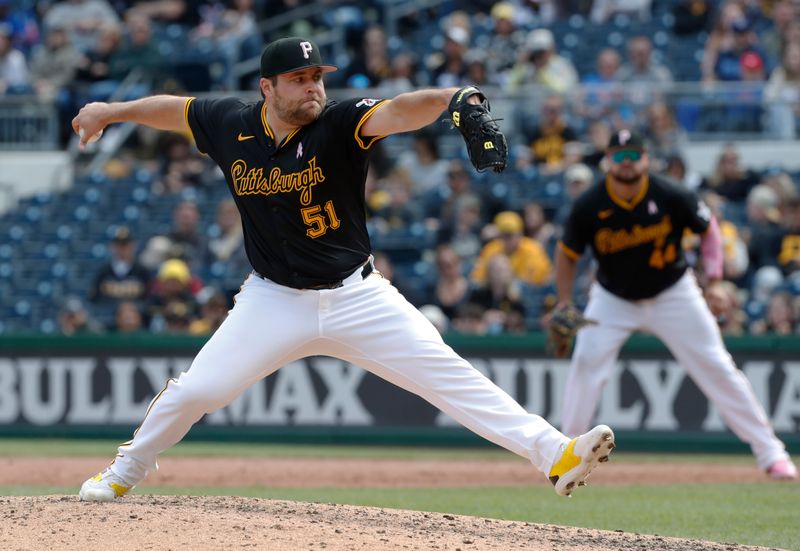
column 568, row 461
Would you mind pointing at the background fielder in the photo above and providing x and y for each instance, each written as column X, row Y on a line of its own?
column 634, row 220
column 296, row 167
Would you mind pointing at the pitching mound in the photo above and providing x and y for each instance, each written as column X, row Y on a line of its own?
column 140, row 522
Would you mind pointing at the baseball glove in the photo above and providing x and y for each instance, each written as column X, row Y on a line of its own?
column 562, row 327
column 486, row 145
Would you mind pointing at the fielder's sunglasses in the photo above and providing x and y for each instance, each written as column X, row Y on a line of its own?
column 632, row 154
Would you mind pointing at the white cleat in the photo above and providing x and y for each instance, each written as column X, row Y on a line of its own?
column 579, row 457
column 105, row 486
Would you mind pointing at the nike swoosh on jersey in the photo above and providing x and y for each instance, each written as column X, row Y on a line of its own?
column 242, row 138
column 603, row 214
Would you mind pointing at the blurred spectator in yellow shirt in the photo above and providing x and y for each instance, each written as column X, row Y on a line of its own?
column 529, row 261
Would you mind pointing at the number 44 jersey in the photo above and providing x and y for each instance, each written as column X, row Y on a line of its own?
column 637, row 243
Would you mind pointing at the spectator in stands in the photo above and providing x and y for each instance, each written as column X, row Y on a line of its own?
column 470, row 320
column 598, row 132
column 402, row 76
column 213, row 311
column 640, row 68
column 172, row 302
column 21, row 20
column 372, row 64
column 185, row 241
column 782, row 94
column 691, row 16
column 772, row 39
column 138, row 51
column 602, row 95
column 14, row 77
column 398, row 212
column 644, row 78
column 550, row 135
column 437, row 318
column 529, row 261
column 723, row 301
column 506, row 39
column 227, row 242
column 450, row 68
column 182, row 12
column 789, row 255
column 441, row 203
column 663, row 136
column 53, row 66
column 720, row 38
column 603, row 10
column 462, row 233
column 762, row 232
column 741, row 55
column 537, row 226
column 128, row 318
column 676, row 168
column 83, row 20
column 182, row 166
column 95, row 65
column 451, row 288
column 74, row 319
column 477, row 72
column 540, row 64
column 577, row 179
column 730, row 179
column 423, row 163
column 123, row 277
column 233, row 31
column 780, row 317
column 500, row 297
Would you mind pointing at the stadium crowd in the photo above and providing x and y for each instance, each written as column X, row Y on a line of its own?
column 473, row 251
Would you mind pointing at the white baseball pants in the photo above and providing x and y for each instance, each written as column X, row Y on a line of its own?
column 679, row 317
column 365, row 322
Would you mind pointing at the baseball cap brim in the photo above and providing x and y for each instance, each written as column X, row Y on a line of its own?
column 325, row 69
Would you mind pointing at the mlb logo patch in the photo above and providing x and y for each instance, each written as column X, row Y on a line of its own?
column 652, row 208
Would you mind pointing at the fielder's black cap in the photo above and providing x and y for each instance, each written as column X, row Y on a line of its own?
column 626, row 139
column 291, row 54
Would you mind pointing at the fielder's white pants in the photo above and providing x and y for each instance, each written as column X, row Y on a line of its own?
column 365, row 322
column 679, row 317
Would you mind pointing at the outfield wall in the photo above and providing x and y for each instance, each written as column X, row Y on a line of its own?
column 101, row 387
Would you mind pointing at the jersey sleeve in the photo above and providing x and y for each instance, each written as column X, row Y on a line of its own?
column 576, row 234
column 698, row 213
column 206, row 118
column 350, row 115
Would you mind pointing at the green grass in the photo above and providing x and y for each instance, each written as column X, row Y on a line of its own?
column 747, row 514
column 22, row 447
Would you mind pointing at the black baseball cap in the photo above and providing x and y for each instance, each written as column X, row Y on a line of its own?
column 291, row 54
column 626, row 139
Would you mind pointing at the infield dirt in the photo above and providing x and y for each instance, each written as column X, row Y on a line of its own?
column 140, row 521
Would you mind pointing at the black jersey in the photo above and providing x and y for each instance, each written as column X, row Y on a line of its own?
column 638, row 243
column 302, row 201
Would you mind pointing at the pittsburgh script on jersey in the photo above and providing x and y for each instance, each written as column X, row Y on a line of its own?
column 253, row 182
column 608, row 241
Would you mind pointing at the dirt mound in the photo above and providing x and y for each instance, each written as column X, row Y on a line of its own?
column 141, row 522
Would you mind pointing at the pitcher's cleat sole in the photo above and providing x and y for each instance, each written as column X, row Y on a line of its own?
column 579, row 459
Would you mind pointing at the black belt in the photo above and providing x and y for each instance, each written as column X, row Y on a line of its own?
column 365, row 271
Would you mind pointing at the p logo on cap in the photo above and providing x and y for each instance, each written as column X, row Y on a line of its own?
column 291, row 54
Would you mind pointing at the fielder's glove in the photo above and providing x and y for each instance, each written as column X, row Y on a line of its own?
column 562, row 327
column 486, row 145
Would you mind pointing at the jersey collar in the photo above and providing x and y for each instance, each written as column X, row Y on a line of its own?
column 627, row 205
column 268, row 131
